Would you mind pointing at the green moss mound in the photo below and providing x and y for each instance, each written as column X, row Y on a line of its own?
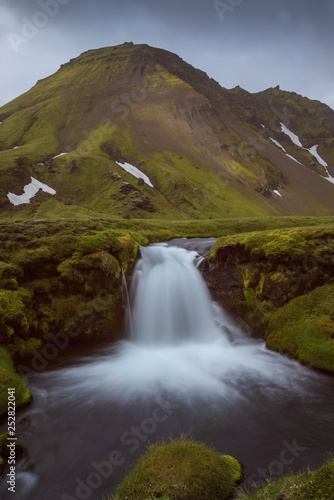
column 304, row 328
column 181, row 470
column 315, row 485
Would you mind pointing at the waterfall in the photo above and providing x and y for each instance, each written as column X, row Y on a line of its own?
column 179, row 342
column 170, row 301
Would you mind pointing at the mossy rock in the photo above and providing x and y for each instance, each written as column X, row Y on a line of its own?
column 15, row 313
column 90, row 273
column 304, row 328
column 181, row 470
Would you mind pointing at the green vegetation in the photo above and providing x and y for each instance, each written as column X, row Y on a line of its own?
column 304, row 328
column 9, row 378
column 179, row 470
column 308, row 485
column 295, row 243
column 286, row 277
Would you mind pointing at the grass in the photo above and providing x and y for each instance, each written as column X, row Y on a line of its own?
column 308, row 485
column 304, row 328
column 181, row 470
column 294, row 243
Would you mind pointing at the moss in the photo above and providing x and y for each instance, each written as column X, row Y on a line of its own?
column 10, row 379
column 309, row 485
column 23, row 348
column 181, row 470
column 296, row 243
column 304, row 328
column 14, row 313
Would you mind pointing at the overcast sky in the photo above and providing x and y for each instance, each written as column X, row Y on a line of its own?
column 252, row 43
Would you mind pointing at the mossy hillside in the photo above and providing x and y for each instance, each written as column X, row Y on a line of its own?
column 179, row 470
column 304, row 328
column 94, row 98
column 307, row 485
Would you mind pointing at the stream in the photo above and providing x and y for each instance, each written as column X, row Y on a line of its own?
column 184, row 368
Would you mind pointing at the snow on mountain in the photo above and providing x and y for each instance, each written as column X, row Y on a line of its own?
column 134, row 171
column 30, row 190
column 293, row 137
column 277, row 144
column 316, row 155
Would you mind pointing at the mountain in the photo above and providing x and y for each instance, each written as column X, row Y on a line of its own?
column 76, row 144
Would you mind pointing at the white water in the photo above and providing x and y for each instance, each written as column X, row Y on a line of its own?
column 171, row 301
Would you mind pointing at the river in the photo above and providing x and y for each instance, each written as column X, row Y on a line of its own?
column 184, row 368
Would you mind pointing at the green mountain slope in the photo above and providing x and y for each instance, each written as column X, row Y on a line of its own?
column 202, row 147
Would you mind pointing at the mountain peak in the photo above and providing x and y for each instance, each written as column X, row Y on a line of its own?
column 115, row 116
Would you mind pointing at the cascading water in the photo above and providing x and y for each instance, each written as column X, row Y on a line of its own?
column 171, row 303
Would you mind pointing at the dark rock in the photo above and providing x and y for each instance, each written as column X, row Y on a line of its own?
column 112, row 151
column 73, row 166
column 126, row 188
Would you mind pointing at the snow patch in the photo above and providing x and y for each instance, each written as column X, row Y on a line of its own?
column 263, row 126
column 277, row 192
column 134, row 171
column 314, row 152
column 61, row 154
column 15, row 147
column 293, row 137
column 30, row 190
column 294, row 159
column 277, row 144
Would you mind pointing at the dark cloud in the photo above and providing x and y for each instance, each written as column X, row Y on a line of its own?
column 237, row 42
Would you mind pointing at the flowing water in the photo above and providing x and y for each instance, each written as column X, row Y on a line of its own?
column 185, row 368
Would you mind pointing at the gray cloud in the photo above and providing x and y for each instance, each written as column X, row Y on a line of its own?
column 237, row 42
